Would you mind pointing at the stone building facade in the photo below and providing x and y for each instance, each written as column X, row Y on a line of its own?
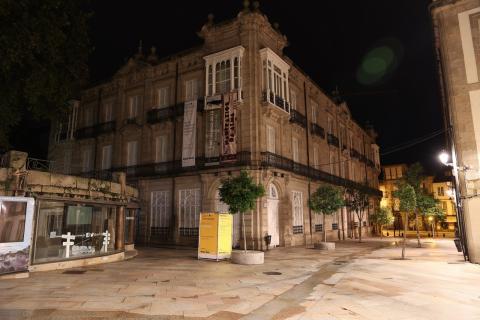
column 440, row 187
column 180, row 125
column 457, row 40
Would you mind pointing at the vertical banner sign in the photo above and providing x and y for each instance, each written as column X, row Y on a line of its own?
column 229, row 136
column 189, row 133
column 213, row 124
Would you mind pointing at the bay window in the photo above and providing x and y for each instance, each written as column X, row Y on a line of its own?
column 223, row 71
column 275, row 79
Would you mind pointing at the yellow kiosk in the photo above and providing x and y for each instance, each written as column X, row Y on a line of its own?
column 215, row 236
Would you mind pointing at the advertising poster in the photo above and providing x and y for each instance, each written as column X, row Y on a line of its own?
column 16, row 220
column 208, row 236
column 189, row 133
column 215, row 236
column 229, row 128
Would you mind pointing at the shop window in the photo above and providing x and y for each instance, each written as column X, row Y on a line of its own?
column 91, row 228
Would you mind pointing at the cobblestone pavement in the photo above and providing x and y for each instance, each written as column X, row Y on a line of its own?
column 356, row 281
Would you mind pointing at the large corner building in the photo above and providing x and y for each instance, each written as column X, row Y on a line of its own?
column 180, row 125
column 457, row 35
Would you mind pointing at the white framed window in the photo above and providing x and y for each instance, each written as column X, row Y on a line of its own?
column 330, row 125
column 107, row 112
column 189, row 206
column 332, row 163
column 161, row 148
column 106, row 157
column 223, row 71
column 314, row 112
column 87, row 159
column 163, row 97
column 316, row 162
column 293, row 100
column 297, row 205
column 295, row 150
column 88, row 117
column 132, row 153
column 160, row 209
column 191, row 90
column 133, row 106
column 275, row 79
column 270, row 139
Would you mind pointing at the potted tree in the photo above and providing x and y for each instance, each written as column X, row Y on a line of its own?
column 381, row 217
column 358, row 202
column 326, row 200
column 240, row 194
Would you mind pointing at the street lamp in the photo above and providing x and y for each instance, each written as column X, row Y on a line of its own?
column 444, row 157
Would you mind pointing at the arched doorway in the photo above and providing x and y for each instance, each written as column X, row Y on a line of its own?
column 273, row 221
column 222, row 207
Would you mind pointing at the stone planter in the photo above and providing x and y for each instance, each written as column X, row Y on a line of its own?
column 249, row 258
column 329, row 246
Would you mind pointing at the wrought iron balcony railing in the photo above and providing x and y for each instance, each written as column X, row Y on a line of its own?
column 279, row 162
column 160, row 115
column 298, row 118
column 93, row 131
column 317, row 130
column 333, row 140
column 269, row 96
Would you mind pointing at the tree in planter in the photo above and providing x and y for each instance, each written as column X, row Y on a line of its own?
column 326, row 200
column 358, row 202
column 408, row 204
column 240, row 194
column 437, row 214
column 414, row 177
column 381, row 217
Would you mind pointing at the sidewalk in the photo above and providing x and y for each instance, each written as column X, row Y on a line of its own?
column 357, row 281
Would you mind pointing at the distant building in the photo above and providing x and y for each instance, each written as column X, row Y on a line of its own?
column 180, row 125
column 457, row 38
column 439, row 187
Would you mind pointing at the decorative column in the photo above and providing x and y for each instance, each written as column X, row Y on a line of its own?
column 120, row 229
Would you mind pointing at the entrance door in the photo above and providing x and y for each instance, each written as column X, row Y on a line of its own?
column 273, row 224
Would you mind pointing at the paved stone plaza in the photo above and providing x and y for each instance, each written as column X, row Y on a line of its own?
column 357, row 281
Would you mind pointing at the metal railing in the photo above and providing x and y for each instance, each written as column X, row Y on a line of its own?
column 40, row 164
column 273, row 160
column 333, row 140
column 315, row 129
column 276, row 100
column 93, row 131
column 298, row 118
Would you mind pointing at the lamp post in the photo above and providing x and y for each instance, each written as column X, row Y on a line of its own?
column 461, row 240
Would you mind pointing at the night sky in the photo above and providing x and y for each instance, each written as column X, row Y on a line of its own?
column 336, row 42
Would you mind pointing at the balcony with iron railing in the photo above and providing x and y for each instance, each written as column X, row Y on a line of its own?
column 354, row 154
column 276, row 161
column 298, row 118
column 332, row 140
column 316, row 130
column 95, row 130
column 160, row 115
column 271, row 98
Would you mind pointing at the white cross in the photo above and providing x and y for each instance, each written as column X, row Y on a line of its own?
column 106, row 240
column 68, row 243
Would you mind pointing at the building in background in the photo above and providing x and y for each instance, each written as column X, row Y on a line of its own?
column 180, row 125
column 440, row 187
column 457, row 35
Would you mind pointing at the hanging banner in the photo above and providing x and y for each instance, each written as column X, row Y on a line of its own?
column 189, row 133
column 229, row 134
column 213, row 127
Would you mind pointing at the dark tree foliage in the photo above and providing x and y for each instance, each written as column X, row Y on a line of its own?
column 44, row 48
